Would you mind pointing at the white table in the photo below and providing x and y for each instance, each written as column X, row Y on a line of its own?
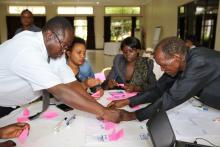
column 111, row 48
column 42, row 132
column 183, row 119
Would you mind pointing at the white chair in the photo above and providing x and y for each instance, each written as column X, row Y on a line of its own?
column 106, row 71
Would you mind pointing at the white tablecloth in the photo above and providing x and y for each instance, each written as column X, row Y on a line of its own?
column 42, row 132
column 111, row 48
column 188, row 122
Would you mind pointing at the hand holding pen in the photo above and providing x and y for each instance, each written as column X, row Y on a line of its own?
column 91, row 82
column 112, row 83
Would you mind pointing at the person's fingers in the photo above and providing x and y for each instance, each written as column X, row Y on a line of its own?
column 18, row 124
column 112, row 107
column 99, row 118
column 98, row 81
column 111, row 104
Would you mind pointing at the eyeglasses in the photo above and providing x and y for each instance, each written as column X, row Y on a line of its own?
column 63, row 47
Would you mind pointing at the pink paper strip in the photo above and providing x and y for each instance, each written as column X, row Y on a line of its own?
column 114, row 136
column 121, row 85
column 22, row 119
column 96, row 95
column 26, row 112
column 109, row 125
column 136, row 107
column 23, row 136
column 49, row 114
column 130, row 94
column 100, row 76
column 120, row 96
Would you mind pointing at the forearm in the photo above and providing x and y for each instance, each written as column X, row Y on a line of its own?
column 83, row 84
column 1, row 133
column 76, row 86
column 144, row 97
column 74, row 99
column 147, row 112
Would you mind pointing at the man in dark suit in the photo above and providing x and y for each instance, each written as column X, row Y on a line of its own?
column 188, row 73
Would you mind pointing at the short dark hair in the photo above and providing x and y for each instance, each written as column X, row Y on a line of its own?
column 172, row 45
column 132, row 42
column 58, row 25
column 77, row 40
column 193, row 39
column 26, row 10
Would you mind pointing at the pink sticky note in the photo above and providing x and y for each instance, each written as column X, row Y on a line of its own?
column 49, row 114
column 128, row 94
column 110, row 98
column 100, row 76
column 121, row 85
column 96, row 95
column 22, row 119
column 114, row 136
column 26, row 112
column 109, row 125
column 115, row 98
column 136, row 107
column 23, row 136
column 116, row 93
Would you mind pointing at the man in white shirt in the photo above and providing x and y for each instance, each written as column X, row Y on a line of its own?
column 33, row 61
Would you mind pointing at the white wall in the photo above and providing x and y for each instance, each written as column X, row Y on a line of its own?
column 3, row 27
column 99, row 26
column 161, row 13
column 164, row 13
column 51, row 12
column 156, row 13
column 217, row 37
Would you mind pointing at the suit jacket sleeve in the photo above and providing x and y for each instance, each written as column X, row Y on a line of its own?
column 197, row 75
column 152, row 94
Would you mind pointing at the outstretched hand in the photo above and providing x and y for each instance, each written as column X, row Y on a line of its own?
column 118, row 104
column 13, row 130
column 112, row 84
column 91, row 82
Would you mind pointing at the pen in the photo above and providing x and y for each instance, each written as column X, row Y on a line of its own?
column 59, row 125
column 70, row 120
column 115, row 76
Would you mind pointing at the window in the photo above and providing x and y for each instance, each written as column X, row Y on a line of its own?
column 207, row 29
column 138, row 29
column 181, row 10
column 81, row 28
column 200, row 10
column 120, row 29
column 122, row 10
column 75, row 10
column 33, row 9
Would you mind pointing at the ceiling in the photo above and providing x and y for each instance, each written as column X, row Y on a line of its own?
column 79, row 2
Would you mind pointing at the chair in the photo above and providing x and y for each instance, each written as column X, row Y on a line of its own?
column 106, row 71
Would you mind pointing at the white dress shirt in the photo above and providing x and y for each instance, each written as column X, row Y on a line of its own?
column 24, row 70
